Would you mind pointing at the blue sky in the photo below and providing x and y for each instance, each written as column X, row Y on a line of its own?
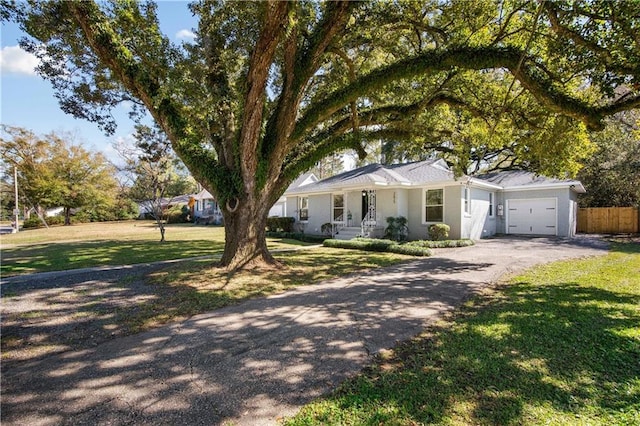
column 26, row 100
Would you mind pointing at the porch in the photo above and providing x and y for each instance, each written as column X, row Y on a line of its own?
column 363, row 212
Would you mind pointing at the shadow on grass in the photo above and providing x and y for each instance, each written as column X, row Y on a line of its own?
column 563, row 346
column 45, row 316
column 263, row 353
column 74, row 255
column 629, row 245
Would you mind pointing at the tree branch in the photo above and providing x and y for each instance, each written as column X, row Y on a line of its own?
column 259, row 65
column 528, row 73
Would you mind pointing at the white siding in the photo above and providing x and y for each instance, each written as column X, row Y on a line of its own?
column 319, row 213
column 478, row 224
column 402, row 201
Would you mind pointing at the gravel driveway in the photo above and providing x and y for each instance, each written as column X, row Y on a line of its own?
column 252, row 363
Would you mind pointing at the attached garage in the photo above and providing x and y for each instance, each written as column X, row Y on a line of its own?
column 532, row 216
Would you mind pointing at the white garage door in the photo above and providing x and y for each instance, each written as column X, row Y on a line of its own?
column 532, row 216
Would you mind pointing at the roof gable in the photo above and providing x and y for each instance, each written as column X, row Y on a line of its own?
column 422, row 172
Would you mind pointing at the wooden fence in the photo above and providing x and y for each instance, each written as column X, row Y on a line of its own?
column 608, row 220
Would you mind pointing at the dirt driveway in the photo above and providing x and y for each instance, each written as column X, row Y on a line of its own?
column 257, row 361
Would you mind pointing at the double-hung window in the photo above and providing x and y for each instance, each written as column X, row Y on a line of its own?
column 338, row 208
column 434, row 205
column 303, row 208
column 467, row 201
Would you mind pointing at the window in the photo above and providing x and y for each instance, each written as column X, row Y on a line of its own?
column 434, row 205
column 338, row 207
column 491, row 204
column 303, row 208
column 467, row 200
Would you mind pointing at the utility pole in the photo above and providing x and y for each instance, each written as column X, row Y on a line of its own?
column 16, row 211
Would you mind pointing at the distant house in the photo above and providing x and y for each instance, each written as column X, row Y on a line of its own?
column 206, row 209
column 146, row 208
column 358, row 202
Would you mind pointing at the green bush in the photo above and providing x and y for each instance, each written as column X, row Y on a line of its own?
column 280, row 224
column 397, row 229
column 327, row 229
column 439, row 231
column 178, row 214
column 410, row 250
column 296, row 236
column 35, row 222
column 378, row 245
column 441, row 244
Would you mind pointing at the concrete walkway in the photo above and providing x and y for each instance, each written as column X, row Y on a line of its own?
column 253, row 363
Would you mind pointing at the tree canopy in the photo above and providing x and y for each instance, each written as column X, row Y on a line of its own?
column 54, row 172
column 611, row 175
column 268, row 89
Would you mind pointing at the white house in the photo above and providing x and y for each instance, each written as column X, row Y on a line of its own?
column 358, row 202
column 279, row 209
column 205, row 208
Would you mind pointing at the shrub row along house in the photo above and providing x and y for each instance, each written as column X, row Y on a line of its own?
column 358, row 202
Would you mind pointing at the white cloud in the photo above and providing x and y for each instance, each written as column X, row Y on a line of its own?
column 14, row 60
column 185, row 35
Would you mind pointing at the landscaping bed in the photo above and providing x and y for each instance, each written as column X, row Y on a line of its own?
column 411, row 248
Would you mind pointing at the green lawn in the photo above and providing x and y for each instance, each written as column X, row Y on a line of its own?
column 109, row 243
column 76, row 318
column 559, row 345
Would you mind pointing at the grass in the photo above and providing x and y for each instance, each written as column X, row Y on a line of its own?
column 112, row 243
column 197, row 287
column 63, row 318
column 559, row 345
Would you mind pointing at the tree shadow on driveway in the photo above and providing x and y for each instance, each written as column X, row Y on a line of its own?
column 249, row 363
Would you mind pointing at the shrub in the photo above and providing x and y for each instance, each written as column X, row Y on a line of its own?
column 327, row 228
column 397, row 229
column 296, row 236
column 280, row 224
column 35, row 222
column 177, row 214
column 441, row 244
column 409, row 250
column 378, row 245
column 439, row 231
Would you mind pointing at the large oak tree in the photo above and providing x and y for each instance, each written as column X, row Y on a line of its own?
column 269, row 88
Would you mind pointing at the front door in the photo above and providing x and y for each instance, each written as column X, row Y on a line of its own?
column 369, row 206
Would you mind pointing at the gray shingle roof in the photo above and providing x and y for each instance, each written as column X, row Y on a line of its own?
column 513, row 178
column 383, row 175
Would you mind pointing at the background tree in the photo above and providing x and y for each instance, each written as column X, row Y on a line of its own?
column 611, row 175
column 268, row 89
column 154, row 172
column 53, row 172
column 7, row 196
column 331, row 165
column 83, row 180
column 30, row 153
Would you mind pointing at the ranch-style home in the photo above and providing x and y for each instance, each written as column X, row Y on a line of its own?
column 358, row 202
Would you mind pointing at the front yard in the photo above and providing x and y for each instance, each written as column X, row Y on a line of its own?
column 111, row 243
column 559, row 345
column 40, row 321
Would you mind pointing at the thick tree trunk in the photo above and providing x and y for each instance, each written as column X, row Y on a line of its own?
column 245, row 236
